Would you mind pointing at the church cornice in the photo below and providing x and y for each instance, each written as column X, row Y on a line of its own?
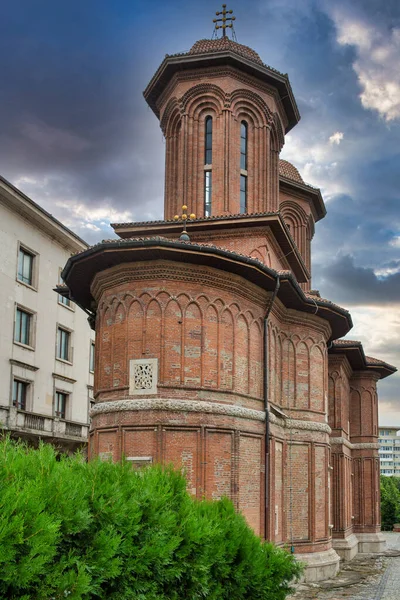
column 226, row 223
column 81, row 269
column 186, row 62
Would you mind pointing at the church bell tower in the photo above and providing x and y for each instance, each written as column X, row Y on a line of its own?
column 224, row 114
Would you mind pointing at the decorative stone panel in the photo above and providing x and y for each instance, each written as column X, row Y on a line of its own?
column 143, row 376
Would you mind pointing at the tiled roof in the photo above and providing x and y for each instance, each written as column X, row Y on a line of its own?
column 221, row 45
column 212, row 218
column 286, row 169
column 347, row 343
column 376, row 361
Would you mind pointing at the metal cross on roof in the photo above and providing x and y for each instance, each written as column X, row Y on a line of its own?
column 224, row 20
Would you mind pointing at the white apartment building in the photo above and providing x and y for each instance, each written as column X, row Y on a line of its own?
column 389, row 450
column 46, row 343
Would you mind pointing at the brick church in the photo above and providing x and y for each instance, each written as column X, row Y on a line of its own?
column 213, row 352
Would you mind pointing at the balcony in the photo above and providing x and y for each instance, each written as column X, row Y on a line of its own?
column 33, row 425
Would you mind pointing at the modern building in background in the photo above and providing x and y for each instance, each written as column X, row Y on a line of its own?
column 46, row 343
column 389, row 450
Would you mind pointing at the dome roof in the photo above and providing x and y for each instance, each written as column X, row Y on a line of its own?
column 224, row 44
column 286, row 169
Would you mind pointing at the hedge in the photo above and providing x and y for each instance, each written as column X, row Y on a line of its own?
column 77, row 530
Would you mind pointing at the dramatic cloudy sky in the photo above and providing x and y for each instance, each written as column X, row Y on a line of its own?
column 77, row 136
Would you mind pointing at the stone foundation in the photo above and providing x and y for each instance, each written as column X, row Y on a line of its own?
column 346, row 548
column 371, row 542
column 319, row 565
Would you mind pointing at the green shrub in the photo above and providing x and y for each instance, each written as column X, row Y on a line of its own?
column 70, row 529
column 390, row 502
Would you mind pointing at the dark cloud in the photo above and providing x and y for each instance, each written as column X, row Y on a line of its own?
column 345, row 283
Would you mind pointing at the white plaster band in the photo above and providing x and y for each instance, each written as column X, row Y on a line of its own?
column 361, row 446
column 307, row 425
column 202, row 407
column 366, row 446
column 178, row 406
column 298, row 424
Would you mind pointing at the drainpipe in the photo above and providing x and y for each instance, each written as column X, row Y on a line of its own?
column 278, row 283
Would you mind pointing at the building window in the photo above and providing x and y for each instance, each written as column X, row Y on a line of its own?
column 61, row 401
column 208, row 163
column 243, row 167
column 91, row 357
column 243, row 193
column 63, row 344
column 25, row 266
column 207, row 193
column 208, row 141
column 19, row 394
column 23, row 327
column 243, row 146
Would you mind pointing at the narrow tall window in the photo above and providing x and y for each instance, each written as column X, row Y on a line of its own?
column 25, row 266
column 208, row 166
column 243, row 145
column 60, row 404
column 63, row 344
column 91, row 357
column 208, row 142
column 22, row 333
column 243, row 167
column 243, row 193
column 19, row 394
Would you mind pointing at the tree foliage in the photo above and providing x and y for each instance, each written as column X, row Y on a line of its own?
column 390, row 502
column 77, row 530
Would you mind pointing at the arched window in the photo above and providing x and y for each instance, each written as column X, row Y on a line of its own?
column 243, row 145
column 207, row 166
column 243, row 167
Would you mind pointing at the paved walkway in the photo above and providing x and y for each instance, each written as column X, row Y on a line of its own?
column 367, row 577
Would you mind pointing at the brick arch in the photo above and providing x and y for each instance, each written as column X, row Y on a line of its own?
column 256, row 359
column 241, row 363
column 210, row 370
column 226, row 349
column 355, row 412
column 203, row 91
column 206, row 107
column 153, row 318
column 244, row 101
column 263, row 254
column 288, row 371
column 172, row 349
column 171, row 116
column 193, row 331
column 135, row 318
column 105, row 346
column 317, row 379
column 277, row 134
column 296, row 219
column 295, row 211
column 119, row 311
column 302, row 375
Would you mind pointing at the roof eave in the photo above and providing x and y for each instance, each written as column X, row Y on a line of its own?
column 359, row 362
column 273, row 220
column 173, row 64
column 313, row 193
column 81, row 269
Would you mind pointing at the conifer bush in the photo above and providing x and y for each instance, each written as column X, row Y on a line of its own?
column 77, row 530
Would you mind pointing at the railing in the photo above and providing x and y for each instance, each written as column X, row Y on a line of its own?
column 53, row 427
column 73, row 429
column 34, row 422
